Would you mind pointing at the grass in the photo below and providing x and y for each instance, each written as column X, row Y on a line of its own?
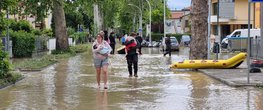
column 11, row 78
column 36, row 64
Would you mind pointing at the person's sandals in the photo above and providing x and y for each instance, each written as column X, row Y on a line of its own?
column 105, row 87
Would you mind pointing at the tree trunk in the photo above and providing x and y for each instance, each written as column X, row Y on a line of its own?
column 60, row 26
column 198, row 46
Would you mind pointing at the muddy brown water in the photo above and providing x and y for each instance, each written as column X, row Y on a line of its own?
column 71, row 85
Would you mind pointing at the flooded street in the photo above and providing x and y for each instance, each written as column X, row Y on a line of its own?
column 71, row 85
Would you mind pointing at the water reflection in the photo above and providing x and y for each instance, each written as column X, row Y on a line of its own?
column 71, row 85
column 102, row 100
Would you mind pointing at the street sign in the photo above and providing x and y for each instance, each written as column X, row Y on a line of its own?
column 256, row 0
column 140, row 30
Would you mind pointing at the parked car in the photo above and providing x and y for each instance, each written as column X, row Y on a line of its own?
column 239, row 33
column 174, row 44
column 185, row 40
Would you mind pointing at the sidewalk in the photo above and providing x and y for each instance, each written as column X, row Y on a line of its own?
column 235, row 77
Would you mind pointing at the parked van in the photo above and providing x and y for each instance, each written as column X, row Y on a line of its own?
column 240, row 33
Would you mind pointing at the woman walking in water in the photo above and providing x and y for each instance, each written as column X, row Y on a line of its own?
column 101, row 50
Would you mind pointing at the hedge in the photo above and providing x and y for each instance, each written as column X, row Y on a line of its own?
column 20, row 25
column 4, row 63
column 23, row 44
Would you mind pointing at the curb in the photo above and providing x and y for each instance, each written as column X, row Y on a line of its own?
column 36, row 70
column 229, row 83
column 9, row 84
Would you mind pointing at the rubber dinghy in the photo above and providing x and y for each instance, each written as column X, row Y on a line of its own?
column 211, row 64
column 121, row 50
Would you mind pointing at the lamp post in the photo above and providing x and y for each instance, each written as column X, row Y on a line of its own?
column 140, row 28
column 209, row 30
column 7, row 32
column 150, row 17
column 164, row 14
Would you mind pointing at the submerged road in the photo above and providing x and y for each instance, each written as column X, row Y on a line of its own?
column 71, row 85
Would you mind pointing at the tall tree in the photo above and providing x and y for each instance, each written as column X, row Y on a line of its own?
column 41, row 8
column 199, row 14
column 60, row 25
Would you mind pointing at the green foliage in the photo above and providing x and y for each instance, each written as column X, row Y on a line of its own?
column 36, row 32
column 47, row 32
column 20, row 25
column 11, row 77
column 80, row 48
column 79, row 37
column 23, row 44
column 4, row 63
column 71, row 31
column 39, row 63
column 35, row 63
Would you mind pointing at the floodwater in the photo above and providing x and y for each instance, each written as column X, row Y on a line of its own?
column 71, row 85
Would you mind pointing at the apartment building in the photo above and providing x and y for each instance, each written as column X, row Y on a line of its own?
column 176, row 20
column 233, row 14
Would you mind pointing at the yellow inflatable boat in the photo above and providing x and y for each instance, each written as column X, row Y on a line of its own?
column 211, row 64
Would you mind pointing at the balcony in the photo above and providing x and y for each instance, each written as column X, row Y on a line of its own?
column 221, row 20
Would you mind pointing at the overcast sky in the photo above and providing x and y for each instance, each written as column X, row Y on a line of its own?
column 178, row 4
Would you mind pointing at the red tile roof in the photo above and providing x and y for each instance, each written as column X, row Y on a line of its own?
column 176, row 14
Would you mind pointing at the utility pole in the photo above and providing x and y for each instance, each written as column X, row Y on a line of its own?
column 140, row 26
column 209, row 30
column 164, row 14
column 150, row 17
column 218, row 28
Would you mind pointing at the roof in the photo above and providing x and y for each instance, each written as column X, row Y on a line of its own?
column 176, row 14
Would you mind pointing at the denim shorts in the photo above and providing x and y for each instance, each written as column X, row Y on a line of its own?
column 98, row 63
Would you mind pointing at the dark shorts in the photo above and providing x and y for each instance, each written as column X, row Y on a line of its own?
column 98, row 63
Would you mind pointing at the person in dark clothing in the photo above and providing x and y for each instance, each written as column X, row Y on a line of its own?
column 106, row 37
column 132, row 54
column 112, row 42
column 168, row 46
column 139, row 39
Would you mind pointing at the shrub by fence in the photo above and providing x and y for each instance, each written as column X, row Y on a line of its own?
column 23, row 44
column 80, row 37
column 4, row 63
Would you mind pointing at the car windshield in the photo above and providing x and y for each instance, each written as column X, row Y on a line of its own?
column 186, row 38
column 173, row 40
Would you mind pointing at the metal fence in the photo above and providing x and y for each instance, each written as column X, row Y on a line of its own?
column 41, row 43
column 240, row 44
column 256, row 48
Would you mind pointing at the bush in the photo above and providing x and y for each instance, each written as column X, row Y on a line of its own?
column 70, row 31
column 79, row 37
column 20, row 25
column 36, row 32
column 4, row 63
column 47, row 32
column 23, row 44
column 79, row 48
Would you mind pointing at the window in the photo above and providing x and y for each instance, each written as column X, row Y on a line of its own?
column 236, row 34
column 186, row 23
column 246, row 26
column 215, row 9
column 215, row 29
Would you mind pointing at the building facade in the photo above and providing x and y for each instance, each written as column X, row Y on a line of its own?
column 176, row 20
column 233, row 14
